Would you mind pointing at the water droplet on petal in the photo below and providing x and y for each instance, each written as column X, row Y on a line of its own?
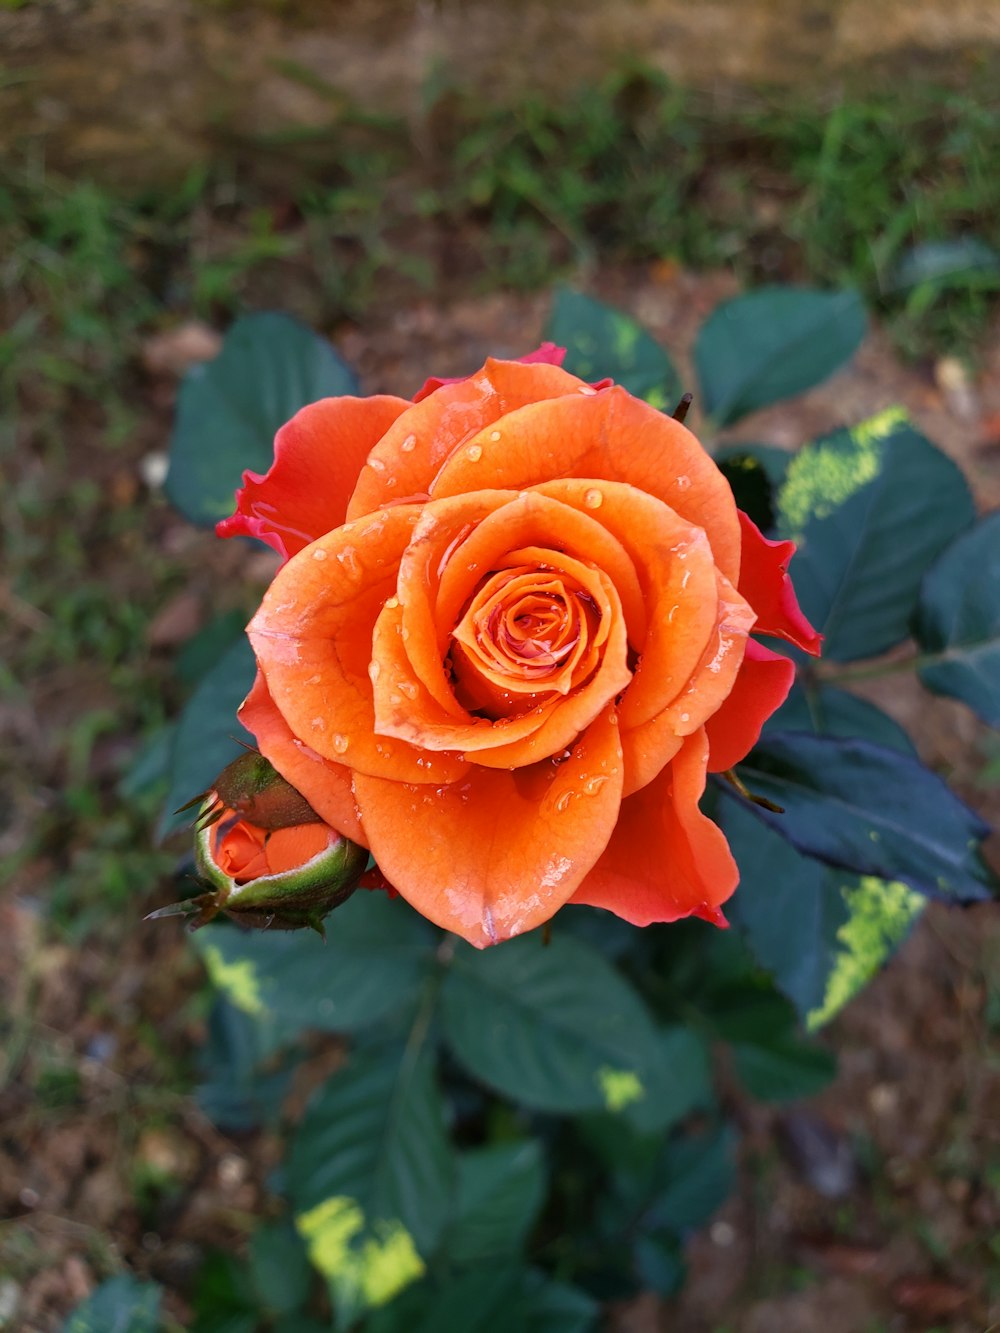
column 593, row 498
column 318, row 723
column 391, row 603
column 685, row 717
column 340, row 743
column 319, row 553
column 408, row 688
column 474, row 453
column 593, row 785
column 563, row 802
column 409, row 444
column 376, row 464
column 682, row 483
column 494, row 435
column 588, row 390
column 374, row 670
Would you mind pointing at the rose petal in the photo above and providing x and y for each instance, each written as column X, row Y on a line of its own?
column 548, row 354
column 760, row 688
column 325, row 785
column 407, row 459
column 499, row 852
column 290, row 848
column 606, row 436
column 317, row 458
column 313, row 641
column 765, row 584
column 665, row 859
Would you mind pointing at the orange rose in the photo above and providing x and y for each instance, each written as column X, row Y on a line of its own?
column 510, row 638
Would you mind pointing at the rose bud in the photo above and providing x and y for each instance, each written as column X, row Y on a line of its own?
column 269, row 860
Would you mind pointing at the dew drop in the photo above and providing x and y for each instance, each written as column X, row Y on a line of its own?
column 685, row 717
column 409, row 444
column 474, row 453
column 682, row 483
column 319, row 553
column 340, row 743
column 376, row 464
column 593, row 498
column 593, row 785
column 391, row 603
column 408, row 688
column 563, row 802
column 588, row 390
column 494, row 435
column 404, row 633
column 318, row 723
column 314, row 680
column 374, row 671
column 562, row 756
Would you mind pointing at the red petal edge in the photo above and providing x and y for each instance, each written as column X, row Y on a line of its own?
column 549, row 354
column 764, row 582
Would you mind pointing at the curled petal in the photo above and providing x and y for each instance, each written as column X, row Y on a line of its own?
column 317, row 458
column 606, row 436
column 665, row 859
column 760, row 688
column 764, row 582
column 499, row 852
column 407, row 459
column 324, row 784
column 548, row 354
column 313, row 641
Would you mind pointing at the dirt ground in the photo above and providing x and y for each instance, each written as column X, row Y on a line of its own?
column 874, row 1208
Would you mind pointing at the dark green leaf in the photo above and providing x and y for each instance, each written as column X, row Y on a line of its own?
column 695, row 1175
column 602, row 342
column 119, row 1305
column 203, row 741
column 658, row 1261
column 279, row 1268
column 203, row 650
column 501, row 1189
column 373, row 963
column 783, row 1068
column 827, row 711
column 223, row 1296
column 772, row 344
column 870, row 509
column 243, row 1085
column 229, row 409
column 492, row 1298
column 370, row 1175
column 958, row 621
column 553, row 1027
column 872, row 811
column 679, row 1082
column 823, row 935
column 754, row 473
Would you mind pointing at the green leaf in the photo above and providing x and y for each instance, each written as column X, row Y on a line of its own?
column 680, row 1082
column 943, row 264
column 694, row 1176
column 754, row 472
column 376, row 957
column 203, row 741
column 870, row 509
column 370, row 1174
column 827, row 711
column 602, row 342
column 501, row 1189
column 243, row 1086
column 229, row 409
column 958, row 621
column 772, row 344
column 783, row 1068
column 279, row 1268
column 119, row 1305
column 553, row 1027
column 492, row 1298
column 872, row 811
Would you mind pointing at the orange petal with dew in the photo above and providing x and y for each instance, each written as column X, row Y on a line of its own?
column 605, row 436
column 324, row 784
column 665, row 860
column 499, row 852
column 318, row 456
column 313, row 641
column 410, row 454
